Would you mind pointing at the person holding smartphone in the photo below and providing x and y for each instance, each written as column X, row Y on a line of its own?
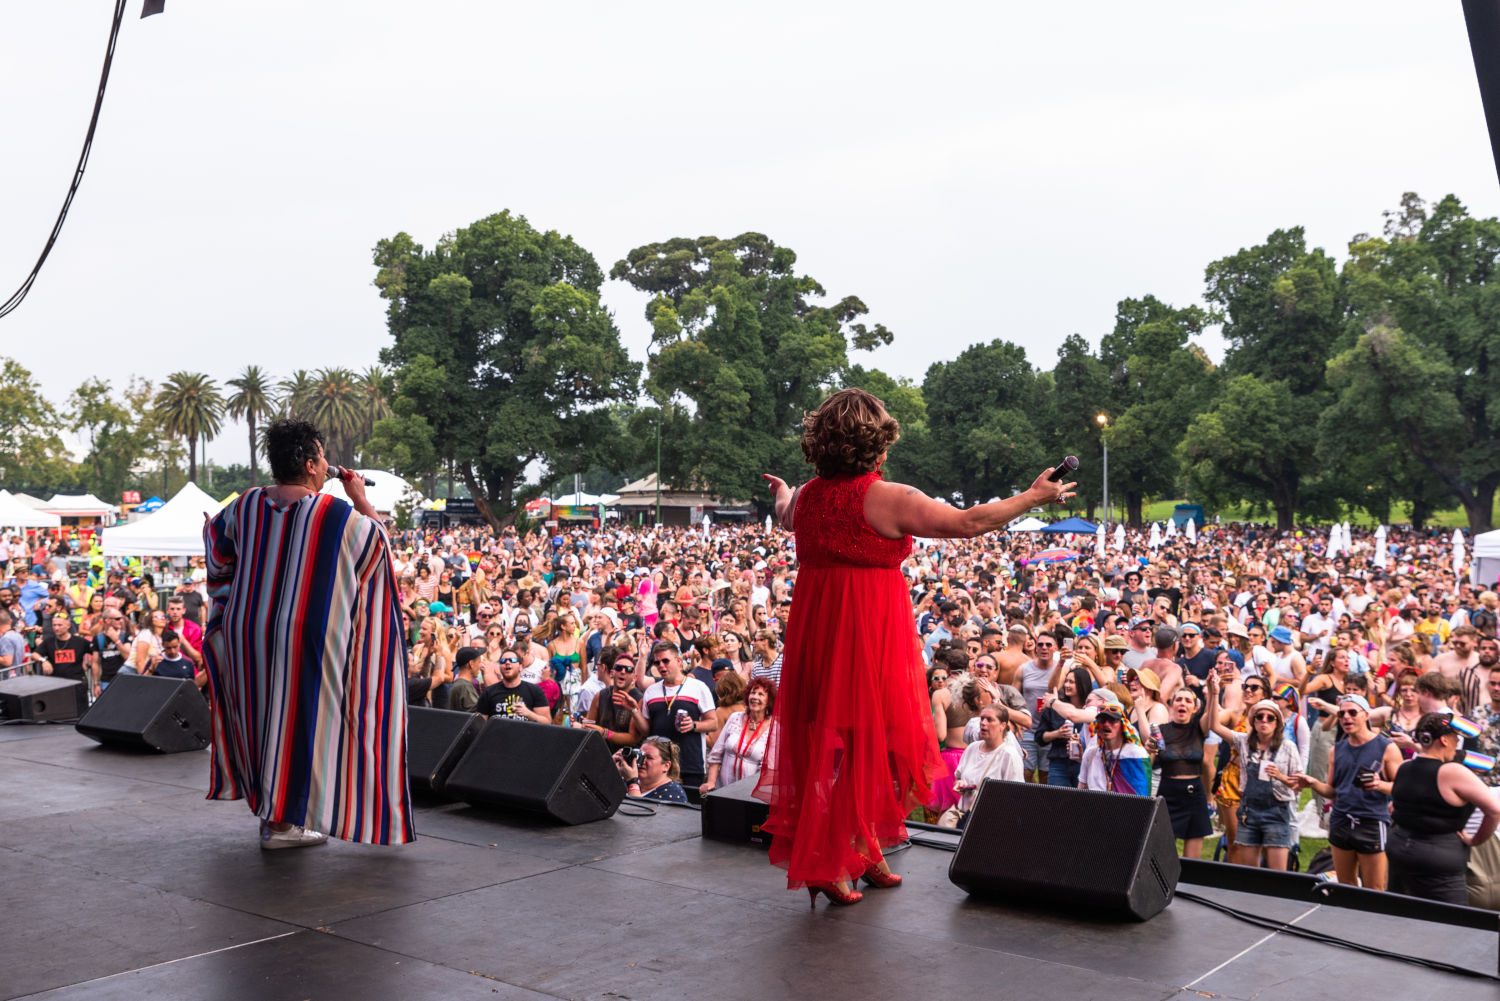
column 1360, row 770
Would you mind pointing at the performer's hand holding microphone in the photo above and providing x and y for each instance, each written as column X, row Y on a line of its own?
column 337, row 473
column 1048, row 486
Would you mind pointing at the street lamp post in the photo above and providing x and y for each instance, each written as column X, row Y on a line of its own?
column 1103, row 420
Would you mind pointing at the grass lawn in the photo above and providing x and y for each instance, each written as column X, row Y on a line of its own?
column 1400, row 514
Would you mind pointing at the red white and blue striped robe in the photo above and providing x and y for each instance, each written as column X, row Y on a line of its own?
column 307, row 668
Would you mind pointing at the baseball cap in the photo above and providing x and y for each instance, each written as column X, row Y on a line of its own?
column 722, row 664
column 465, row 656
column 1358, row 701
column 522, row 627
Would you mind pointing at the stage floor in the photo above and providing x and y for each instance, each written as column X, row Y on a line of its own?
column 121, row 881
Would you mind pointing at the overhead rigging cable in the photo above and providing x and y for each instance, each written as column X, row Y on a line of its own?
column 83, row 158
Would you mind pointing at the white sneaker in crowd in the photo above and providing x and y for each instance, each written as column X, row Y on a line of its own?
column 292, row 837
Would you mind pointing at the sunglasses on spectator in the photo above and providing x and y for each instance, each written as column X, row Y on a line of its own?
column 1349, row 712
column 510, row 660
column 1251, row 686
column 1266, row 718
column 939, row 677
column 623, row 665
column 658, row 662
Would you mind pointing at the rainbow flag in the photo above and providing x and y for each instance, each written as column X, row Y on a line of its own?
column 1481, row 763
column 1467, row 727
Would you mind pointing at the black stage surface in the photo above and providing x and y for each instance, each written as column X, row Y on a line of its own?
column 121, row 881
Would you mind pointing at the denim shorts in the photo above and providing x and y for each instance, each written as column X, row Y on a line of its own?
column 1264, row 826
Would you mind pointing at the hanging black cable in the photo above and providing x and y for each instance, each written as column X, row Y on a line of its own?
column 83, row 158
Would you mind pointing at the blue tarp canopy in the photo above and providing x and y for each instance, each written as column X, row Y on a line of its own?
column 1073, row 525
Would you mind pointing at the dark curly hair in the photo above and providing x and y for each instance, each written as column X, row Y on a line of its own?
column 289, row 444
column 847, row 434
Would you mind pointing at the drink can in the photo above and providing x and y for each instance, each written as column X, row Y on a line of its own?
column 1156, row 732
column 1041, row 703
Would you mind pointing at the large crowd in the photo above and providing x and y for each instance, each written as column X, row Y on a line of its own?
column 1265, row 688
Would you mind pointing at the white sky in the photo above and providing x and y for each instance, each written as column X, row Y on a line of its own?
column 971, row 171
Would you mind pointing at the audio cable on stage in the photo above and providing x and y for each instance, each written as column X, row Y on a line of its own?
column 1316, row 936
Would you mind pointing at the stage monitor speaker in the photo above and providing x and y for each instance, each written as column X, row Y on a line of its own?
column 734, row 814
column 564, row 772
column 149, row 713
column 1096, row 853
column 435, row 741
column 41, row 698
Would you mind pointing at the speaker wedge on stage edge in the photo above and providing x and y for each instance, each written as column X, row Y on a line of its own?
column 42, row 699
column 149, row 713
column 1096, row 853
column 733, row 814
column 435, row 741
column 565, row 773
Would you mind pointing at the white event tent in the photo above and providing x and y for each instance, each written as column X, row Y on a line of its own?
column 16, row 513
column 82, row 506
column 174, row 529
column 1484, row 564
column 387, row 490
column 1026, row 525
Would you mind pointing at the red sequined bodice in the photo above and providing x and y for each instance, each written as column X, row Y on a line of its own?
column 831, row 527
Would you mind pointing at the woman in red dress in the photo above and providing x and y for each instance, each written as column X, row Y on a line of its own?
column 855, row 750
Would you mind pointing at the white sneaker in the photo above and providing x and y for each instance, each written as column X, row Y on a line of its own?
column 292, row 837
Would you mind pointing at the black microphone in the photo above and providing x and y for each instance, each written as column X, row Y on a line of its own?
column 1063, row 468
column 335, row 473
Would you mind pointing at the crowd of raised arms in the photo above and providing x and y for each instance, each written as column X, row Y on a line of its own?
column 1235, row 674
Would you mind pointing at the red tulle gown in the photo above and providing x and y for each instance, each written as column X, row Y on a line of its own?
column 853, row 748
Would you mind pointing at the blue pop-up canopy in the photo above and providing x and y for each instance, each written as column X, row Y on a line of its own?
column 1077, row 525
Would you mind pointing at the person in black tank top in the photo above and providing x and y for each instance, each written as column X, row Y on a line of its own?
column 1428, row 848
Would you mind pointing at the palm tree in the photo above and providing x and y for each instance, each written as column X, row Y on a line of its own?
column 191, row 408
column 295, row 394
column 335, row 407
column 252, row 401
column 375, row 388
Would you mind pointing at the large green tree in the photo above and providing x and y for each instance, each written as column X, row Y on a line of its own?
column 190, row 407
column 1284, row 315
column 502, row 356
column 743, row 338
column 1423, row 377
column 1158, row 380
column 1080, row 394
column 981, row 413
column 32, row 457
column 116, row 434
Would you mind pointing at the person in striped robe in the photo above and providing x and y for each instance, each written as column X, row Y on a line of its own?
column 305, row 655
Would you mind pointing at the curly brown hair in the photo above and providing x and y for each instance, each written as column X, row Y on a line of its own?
column 847, row 434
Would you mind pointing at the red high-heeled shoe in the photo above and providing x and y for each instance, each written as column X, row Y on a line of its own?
column 843, row 898
column 883, row 880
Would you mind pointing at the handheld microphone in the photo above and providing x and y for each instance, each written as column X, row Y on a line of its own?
column 1063, row 468
column 335, row 473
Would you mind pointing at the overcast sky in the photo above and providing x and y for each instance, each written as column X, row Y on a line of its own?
column 971, row 171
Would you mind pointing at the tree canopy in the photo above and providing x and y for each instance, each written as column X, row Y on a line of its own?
column 502, row 356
